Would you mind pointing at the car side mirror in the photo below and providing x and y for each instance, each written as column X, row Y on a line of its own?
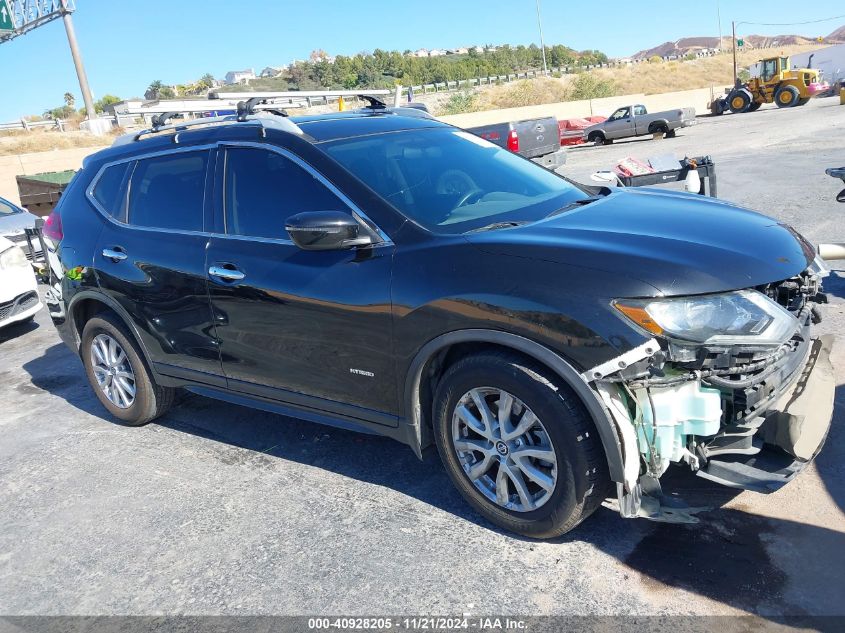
column 326, row 231
column 841, row 196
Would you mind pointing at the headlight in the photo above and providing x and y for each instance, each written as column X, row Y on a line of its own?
column 745, row 317
column 13, row 258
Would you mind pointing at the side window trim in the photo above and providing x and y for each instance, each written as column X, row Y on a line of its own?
column 356, row 211
column 89, row 191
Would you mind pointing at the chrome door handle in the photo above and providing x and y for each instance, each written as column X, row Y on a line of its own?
column 227, row 274
column 114, row 255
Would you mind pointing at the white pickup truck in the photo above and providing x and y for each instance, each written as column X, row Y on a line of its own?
column 635, row 120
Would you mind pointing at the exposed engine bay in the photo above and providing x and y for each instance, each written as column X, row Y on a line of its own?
column 746, row 410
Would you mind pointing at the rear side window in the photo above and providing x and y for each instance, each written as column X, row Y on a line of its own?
column 110, row 191
column 167, row 192
column 263, row 189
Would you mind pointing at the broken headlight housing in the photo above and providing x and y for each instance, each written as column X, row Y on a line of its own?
column 13, row 258
column 744, row 317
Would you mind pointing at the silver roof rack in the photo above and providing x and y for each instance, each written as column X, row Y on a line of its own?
column 256, row 108
column 296, row 94
column 264, row 120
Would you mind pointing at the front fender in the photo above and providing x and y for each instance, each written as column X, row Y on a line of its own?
column 417, row 417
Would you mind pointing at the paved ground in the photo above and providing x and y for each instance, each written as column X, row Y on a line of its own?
column 218, row 509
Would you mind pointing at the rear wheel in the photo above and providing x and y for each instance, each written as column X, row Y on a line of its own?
column 596, row 138
column 660, row 129
column 787, row 97
column 520, row 448
column 739, row 102
column 118, row 374
column 754, row 106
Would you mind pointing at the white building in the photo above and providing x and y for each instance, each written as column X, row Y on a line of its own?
column 436, row 52
column 423, row 52
column 271, row 71
column 239, row 76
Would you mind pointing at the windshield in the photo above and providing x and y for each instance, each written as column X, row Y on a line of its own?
column 451, row 181
column 7, row 208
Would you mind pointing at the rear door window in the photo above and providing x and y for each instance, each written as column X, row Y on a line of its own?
column 168, row 192
column 263, row 189
column 110, row 190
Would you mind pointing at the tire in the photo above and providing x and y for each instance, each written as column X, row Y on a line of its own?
column 597, row 138
column 787, row 97
column 576, row 466
column 803, row 101
column 659, row 129
column 755, row 106
column 135, row 406
column 739, row 101
column 671, row 134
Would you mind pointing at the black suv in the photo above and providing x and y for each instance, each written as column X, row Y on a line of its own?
column 382, row 271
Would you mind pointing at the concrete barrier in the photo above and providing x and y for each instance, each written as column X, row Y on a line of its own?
column 697, row 99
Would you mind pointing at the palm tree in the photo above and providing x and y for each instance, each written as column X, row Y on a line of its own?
column 69, row 99
column 154, row 90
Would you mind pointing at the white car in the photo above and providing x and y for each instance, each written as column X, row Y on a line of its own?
column 19, row 298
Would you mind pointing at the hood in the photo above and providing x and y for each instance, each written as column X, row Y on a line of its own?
column 16, row 223
column 676, row 242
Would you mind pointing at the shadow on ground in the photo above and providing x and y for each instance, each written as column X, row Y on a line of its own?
column 726, row 557
column 16, row 329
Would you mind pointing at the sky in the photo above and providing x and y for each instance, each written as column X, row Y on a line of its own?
column 127, row 45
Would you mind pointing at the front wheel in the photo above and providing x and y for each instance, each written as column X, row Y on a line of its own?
column 118, row 374
column 519, row 447
column 739, row 101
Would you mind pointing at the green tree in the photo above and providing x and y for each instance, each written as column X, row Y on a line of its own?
column 588, row 86
column 107, row 100
column 70, row 100
column 154, row 89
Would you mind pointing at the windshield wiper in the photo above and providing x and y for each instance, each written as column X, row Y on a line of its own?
column 574, row 204
column 497, row 225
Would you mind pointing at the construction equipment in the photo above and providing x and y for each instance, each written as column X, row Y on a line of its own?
column 777, row 83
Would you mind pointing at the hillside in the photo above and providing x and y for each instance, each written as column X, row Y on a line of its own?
column 838, row 35
column 687, row 45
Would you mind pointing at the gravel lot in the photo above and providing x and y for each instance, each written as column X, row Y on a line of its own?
column 218, row 509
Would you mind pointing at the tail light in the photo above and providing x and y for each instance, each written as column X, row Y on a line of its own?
column 53, row 227
column 513, row 141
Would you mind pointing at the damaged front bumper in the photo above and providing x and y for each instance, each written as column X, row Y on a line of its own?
column 754, row 433
column 797, row 424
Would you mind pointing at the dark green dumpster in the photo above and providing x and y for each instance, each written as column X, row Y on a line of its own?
column 39, row 193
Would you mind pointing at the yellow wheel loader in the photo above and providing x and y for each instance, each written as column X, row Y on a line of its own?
column 777, row 84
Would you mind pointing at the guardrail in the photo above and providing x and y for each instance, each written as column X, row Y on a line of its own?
column 59, row 124
column 29, row 125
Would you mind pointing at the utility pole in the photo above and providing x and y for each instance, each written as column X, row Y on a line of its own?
column 542, row 43
column 80, row 69
column 733, row 28
column 719, row 18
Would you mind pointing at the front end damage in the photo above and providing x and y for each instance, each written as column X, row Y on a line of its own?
column 744, row 415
